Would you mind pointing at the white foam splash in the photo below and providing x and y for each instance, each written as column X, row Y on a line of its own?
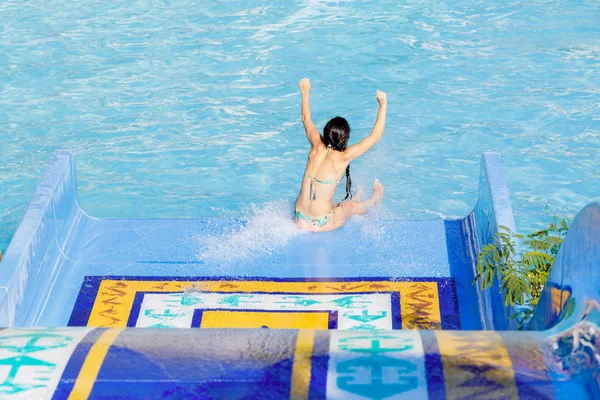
column 269, row 228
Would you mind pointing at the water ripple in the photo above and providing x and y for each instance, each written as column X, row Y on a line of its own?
column 186, row 109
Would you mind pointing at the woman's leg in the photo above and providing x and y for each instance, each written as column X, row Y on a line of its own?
column 346, row 209
column 361, row 207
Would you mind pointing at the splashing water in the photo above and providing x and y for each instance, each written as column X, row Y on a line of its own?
column 269, row 228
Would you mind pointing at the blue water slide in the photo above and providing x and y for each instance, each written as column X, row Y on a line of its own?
column 36, row 252
column 102, row 277
column 57, row 241
column 572, row 291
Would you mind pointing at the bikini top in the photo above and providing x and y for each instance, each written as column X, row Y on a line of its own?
column 313, row 194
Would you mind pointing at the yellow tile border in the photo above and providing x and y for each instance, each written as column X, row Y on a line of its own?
column 301, row 369
column 270, row 319
column 420, row 306
column 476, row 364
column 92, row 364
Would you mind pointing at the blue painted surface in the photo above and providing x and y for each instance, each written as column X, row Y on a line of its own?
column 258, row 363
column 493, row 210
column 575, row 275
column 58, row 244
column 75, row 363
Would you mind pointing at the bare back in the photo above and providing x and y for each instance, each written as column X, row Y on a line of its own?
column 324, row 165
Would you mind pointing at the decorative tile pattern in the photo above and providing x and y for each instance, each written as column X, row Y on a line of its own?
column 385, row 365
column 419, row 303
column 560, row 296
column 62, row 363
column 32, row 360
column 476, row 365
column 226, row 310
column 348, row 304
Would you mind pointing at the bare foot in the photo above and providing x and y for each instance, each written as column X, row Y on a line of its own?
column 361, row 207
column 377, row 191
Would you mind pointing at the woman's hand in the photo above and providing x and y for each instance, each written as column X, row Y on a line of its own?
column 381, row 98
column 304, row 85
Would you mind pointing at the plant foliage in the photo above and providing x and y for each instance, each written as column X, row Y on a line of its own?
column 521, row 274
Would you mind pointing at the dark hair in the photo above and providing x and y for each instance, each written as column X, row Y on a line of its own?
column 336, row 134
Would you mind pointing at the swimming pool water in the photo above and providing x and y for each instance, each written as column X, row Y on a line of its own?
column 191, row 109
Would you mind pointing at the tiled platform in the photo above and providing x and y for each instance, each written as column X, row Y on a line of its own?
column 324, row 303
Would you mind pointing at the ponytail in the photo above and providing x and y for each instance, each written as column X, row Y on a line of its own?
column 348, row 183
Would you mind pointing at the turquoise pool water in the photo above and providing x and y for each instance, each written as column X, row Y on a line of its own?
column 187, row 109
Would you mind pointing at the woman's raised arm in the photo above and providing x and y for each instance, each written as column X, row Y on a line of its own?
column 364, row 145
column 312, row 134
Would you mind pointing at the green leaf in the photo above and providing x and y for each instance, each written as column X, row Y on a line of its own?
column 537, row 259
column 520, row 275
column 540, row 233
